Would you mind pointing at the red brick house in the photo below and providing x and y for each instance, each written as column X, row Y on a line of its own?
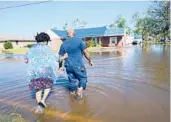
column 101, row 35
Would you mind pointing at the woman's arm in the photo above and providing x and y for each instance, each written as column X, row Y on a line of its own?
column 65, row 56
column 26, row 58
column 61, row 59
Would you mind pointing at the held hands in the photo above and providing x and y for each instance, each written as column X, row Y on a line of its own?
column 65, row 56
column 60, row 71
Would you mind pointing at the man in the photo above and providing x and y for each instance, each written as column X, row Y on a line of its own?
column 75, row 48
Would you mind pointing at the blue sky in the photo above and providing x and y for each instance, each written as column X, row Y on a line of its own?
column 26, row 21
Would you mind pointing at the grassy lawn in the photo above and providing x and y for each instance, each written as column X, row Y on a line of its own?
column 93, row 48
column 24, row 50
column 16, row 51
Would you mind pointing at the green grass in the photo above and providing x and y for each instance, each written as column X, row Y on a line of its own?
column 16, row 51
column 93, row 48
column 24, row 50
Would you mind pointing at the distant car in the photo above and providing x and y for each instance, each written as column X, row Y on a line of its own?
column 137, row 41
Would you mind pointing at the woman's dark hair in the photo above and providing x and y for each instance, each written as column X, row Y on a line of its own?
column 42, row 37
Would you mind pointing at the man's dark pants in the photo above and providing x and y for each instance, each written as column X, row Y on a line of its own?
column 77, row 77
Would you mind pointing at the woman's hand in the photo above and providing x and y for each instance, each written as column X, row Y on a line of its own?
column 26, row 61
column 61, row 70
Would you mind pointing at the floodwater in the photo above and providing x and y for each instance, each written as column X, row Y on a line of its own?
column 132, row 85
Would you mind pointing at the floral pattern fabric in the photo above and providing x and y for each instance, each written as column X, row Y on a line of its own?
column 42, row 62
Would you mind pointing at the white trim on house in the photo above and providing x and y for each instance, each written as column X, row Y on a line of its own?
column 100, row 40
column 52, row 34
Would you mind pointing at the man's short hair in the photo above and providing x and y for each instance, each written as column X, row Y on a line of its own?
column 70, row 31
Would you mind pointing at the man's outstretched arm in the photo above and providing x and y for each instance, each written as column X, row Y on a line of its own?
column 87, row 56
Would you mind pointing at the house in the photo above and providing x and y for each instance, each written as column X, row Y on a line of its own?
column 100, row 35
column 17, row 42
column 129, row 40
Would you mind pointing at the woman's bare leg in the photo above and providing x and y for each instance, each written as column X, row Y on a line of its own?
column 39, row 110
column 38, row 95
column 46, row 93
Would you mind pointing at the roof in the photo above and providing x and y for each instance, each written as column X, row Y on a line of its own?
column 92, row 32
column 14, row 37
column 61, row 33
column 114, row 32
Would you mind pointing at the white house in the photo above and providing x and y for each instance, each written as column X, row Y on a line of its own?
column 56, row 41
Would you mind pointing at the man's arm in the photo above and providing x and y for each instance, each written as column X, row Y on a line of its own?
column 84, row 49
column 87, row 56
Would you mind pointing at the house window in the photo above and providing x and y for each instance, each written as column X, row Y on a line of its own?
column 113, row 40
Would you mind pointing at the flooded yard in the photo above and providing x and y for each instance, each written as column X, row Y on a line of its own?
column 132, row 85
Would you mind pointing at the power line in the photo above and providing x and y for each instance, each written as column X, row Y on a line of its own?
column 17, row 6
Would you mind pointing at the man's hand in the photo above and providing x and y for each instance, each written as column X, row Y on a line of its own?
column 88, row 57
column 90, row 63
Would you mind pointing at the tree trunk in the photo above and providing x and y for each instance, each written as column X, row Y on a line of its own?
column 164, row 39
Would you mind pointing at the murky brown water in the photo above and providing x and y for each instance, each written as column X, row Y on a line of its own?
column 127, row 86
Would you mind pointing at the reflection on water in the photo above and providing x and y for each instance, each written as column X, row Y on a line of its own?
column 129, row 85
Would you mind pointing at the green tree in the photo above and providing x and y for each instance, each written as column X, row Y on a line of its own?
column 78, row 23
column 143, row 27
column 128, row 30
column 65, row 26
column 156, row 22
column 159, row 13
column 120, row 22
column 8, row 45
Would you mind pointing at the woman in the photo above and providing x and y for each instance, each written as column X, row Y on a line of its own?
column 42, row 67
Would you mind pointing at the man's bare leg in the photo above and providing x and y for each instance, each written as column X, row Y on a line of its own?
column 80, row 92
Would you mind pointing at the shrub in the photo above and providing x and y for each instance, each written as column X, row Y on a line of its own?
column 8, row 45
column 88, row 43
column 29, row 45
column 92, row 43
column 99, row 45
